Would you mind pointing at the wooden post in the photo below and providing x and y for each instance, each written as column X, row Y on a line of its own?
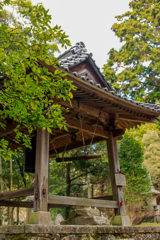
column 41, row 214
column 117, row 190
column 41, row 171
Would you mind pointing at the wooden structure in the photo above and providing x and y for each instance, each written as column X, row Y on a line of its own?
column 97, row 114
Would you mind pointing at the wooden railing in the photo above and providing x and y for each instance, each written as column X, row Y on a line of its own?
column 53, row 200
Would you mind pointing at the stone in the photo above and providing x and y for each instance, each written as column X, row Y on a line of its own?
column 38, row 228
column 13, row 229
column 84, row 212
column 86, row 220
column 40, row 217
column 108, row 237
column 86, row 216
column 121, row 220
column 59, row 219
column 70, row 237
column 147, row 218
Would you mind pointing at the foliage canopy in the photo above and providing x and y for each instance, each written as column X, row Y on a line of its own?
column 131, row 159
column 28, row 90
column 134, row 69
column 151, row 141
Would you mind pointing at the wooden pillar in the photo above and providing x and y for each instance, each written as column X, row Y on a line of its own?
column 117, row 190
column 41, row 171
column 41, row 214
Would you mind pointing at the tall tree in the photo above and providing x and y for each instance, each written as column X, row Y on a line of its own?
column 134, row 69
column 27, row 89
column 137, row 190
column 151, row 141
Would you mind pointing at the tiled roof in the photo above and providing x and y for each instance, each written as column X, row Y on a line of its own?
column 73, row 56
column 77, row 54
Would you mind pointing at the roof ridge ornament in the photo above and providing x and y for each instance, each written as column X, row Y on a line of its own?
column 79, row 48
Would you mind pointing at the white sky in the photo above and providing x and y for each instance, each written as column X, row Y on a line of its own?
column 88, row 21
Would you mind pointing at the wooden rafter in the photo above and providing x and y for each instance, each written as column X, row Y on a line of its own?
column 87, row 157
column 74, row 145
column 96, row 130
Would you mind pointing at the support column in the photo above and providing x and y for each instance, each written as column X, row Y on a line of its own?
column 117, row 191
column 41, row 214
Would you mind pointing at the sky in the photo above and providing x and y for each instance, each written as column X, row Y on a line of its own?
column 88, row 21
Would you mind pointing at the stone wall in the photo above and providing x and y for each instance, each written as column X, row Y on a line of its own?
column 41, row 232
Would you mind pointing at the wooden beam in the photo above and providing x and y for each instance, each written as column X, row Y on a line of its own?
column 118, row 132
column 134, row 118
column 96, row 130
column 58, row 137
column 41, row 171
column 87, row 157
column 63, row 135
column 17, row 193
column 105, row 197
column 75, row 145
column 73, row 201
column 9, row 129
column 85, row 109
column 23, row 204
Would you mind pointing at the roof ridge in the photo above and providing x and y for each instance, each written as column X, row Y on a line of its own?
column 78, row 48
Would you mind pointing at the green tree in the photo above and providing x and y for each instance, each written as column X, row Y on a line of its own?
column 137, row 190
column 138, row 132
column 71, row 178
column 134, row 69
column 151, row 145
column 28, row 89
column 148, row 135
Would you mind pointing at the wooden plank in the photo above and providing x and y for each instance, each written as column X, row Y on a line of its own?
column 87, row 157
column 41, row 171
column 17, row 193
column 73, row 201
column 23, row 204
column 97, row 131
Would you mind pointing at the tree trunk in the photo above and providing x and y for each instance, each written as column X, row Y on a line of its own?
column 68, row 181
column 89, row 186
column 17, row 215
column 11, row 188
column 1, row 185
column 18, row 207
